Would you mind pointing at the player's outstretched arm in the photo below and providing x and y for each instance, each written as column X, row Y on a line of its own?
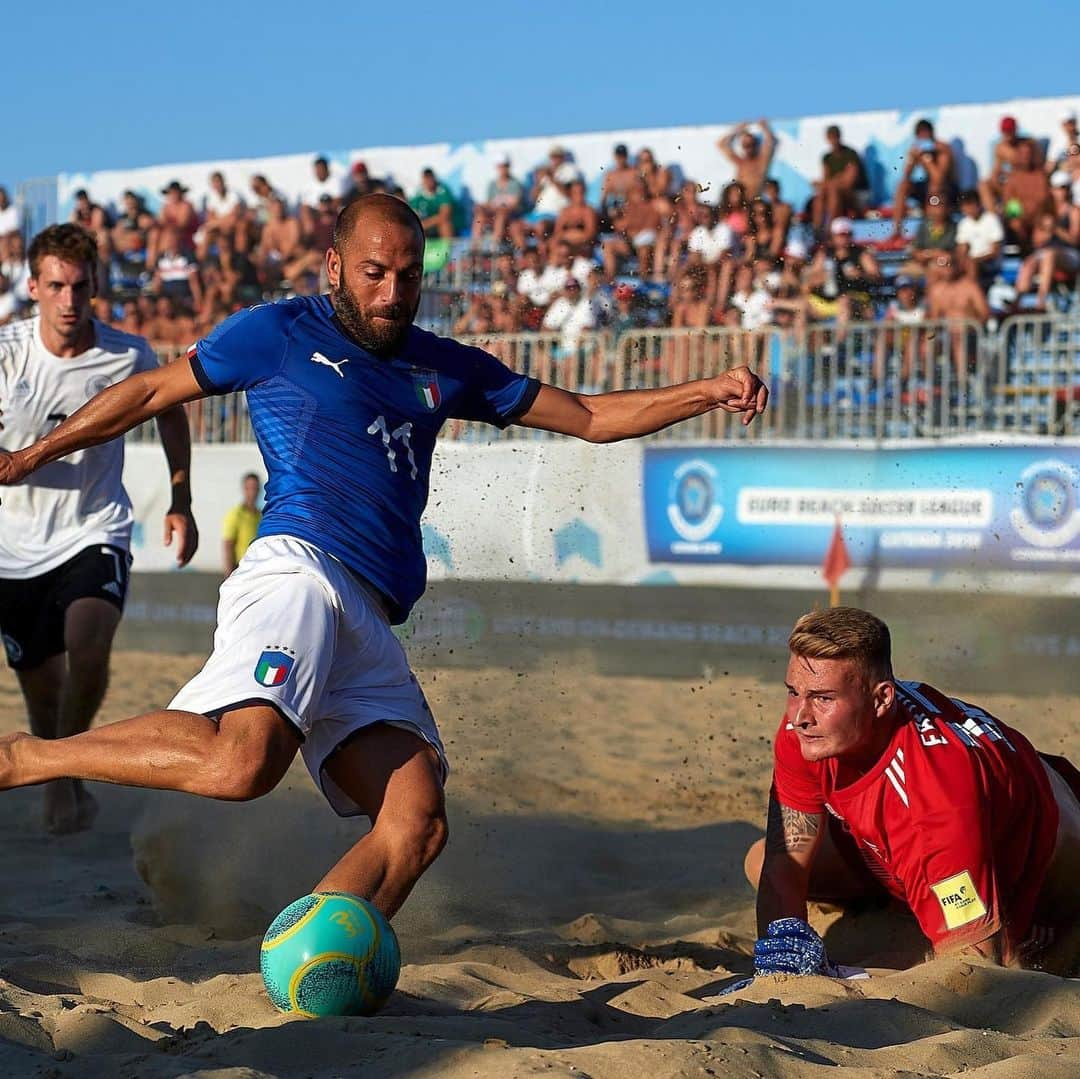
column 611, row 417
column 791, row 841
column 110, row 414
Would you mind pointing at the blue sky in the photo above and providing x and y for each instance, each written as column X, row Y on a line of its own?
column 112, row 85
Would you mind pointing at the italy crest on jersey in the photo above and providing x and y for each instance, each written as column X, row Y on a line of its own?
column 274, row 668
column 426, row 385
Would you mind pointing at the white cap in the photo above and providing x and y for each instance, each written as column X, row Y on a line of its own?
column 840, row 224
column 796, row 249
column 1069, row 117
column 1061, row 178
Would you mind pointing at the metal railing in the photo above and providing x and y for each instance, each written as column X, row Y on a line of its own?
column 864, row 380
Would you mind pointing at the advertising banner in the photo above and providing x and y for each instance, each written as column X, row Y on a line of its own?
column 1001, row 507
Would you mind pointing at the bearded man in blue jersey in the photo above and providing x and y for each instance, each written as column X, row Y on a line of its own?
column 346, row 399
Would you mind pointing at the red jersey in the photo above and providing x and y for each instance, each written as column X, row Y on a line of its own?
column 957, row 818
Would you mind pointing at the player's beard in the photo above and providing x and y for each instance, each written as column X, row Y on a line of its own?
column 380, row 338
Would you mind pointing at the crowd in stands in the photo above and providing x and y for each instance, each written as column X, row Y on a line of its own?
column 650, row 251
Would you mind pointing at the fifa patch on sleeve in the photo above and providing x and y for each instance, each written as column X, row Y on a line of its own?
column 960, row 902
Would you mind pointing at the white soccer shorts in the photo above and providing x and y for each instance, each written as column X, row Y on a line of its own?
column 298, row 630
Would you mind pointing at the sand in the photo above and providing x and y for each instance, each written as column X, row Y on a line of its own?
column 582, row 922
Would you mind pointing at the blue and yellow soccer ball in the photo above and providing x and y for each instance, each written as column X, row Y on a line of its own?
column 330, row 953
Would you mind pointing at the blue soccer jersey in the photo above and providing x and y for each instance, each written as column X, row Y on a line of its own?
column 347, row 437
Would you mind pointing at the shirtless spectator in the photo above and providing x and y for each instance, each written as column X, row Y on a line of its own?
column 505, row 203
column 435, row 206
column 928, row 170
column 658, row 180
column 176, row 275
column 636, row 226
column 167, row 327
column 550, row 195
column 1006, row 156
column 222, row 208
column 178, row 214
column 304, row 269
column 1053, row 242
column 131, row 321
column 687, row 214
column 1025, row 194
column 278, row 244
column 956, row 297
column 88, row 214
column 843, row 180
column 979, row 236
column 1064, row 152
column 753, row 157
column 690, row 306
column 577, row 224
column 618, row 179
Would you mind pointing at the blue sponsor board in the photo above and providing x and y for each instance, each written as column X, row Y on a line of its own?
column 1013, row 507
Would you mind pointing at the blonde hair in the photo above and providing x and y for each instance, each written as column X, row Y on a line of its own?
column 845, row 633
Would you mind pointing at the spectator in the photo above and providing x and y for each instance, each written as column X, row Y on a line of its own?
column 956, row 297
column 530, row 280
column 505, row 308
column 734, row 212
column 505, row 203
column 550, row 194
column 754, row 156
column 905, row 311
column 87, row 214
column 781, row 211
column 10, row 218
column 1026, row 194
column 936, row 233
column 7, row 301
column 636, row 226
column 16, row 271
column 360, row 182
column 687, row 213
column 168, row 327
column 241, row 524
column 578, row 223
column 764, row 236
column 279, row 243
column 690, row 307
column 477, row 317
column 978, row 239
column 626, row 316
column 660, row 186
column 134, row 218
column 129, row 271
column 324, row 182
column 176, row 276
column 571, row 314
column 617, row 181
column 928, row 170
column 843, row 181
column 131, row 321
column 750, row 306
column 1006, row 155
column 435, row 206
column 1066, row 212
column 178, row 214
column 841, row 278
column 264, row 195
column 222, row 208
column 1064, row 150
column 1053, row 252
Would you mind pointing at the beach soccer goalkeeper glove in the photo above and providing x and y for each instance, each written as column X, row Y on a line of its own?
column 790, row 946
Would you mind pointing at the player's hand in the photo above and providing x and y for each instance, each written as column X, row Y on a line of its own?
column 12, row 468
column 740, row 390
column 181, row 526
column 791, row 946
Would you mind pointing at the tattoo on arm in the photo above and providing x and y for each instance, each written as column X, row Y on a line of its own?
column 790, row 830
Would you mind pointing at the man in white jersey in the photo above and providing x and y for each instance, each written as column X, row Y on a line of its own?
column 66, row 530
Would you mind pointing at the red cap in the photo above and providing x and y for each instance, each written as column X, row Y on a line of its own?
column 359, row 166
column 1008, row 125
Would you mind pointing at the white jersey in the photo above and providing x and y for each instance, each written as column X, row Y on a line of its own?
column 78, row 501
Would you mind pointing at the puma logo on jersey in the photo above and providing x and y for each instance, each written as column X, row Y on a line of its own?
column 318, row 357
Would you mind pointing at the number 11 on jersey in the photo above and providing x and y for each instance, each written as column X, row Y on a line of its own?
column 402, row 433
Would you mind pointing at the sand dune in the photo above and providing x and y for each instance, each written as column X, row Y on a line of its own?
column 582, row 922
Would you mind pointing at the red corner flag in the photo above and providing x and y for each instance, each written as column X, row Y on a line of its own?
column 837, row 563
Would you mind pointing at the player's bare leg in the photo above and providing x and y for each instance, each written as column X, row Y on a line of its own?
column 395, row 777
column 241, row 757
column 89, row 627
column 42, row 689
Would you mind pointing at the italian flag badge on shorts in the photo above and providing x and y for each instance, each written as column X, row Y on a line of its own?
column 274, row 668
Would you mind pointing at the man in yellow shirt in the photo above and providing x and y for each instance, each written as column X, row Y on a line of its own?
column 241, row 523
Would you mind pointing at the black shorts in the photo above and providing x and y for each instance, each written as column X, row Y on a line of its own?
column 32, row 610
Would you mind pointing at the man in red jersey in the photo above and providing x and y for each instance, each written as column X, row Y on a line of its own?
column 890, row 787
